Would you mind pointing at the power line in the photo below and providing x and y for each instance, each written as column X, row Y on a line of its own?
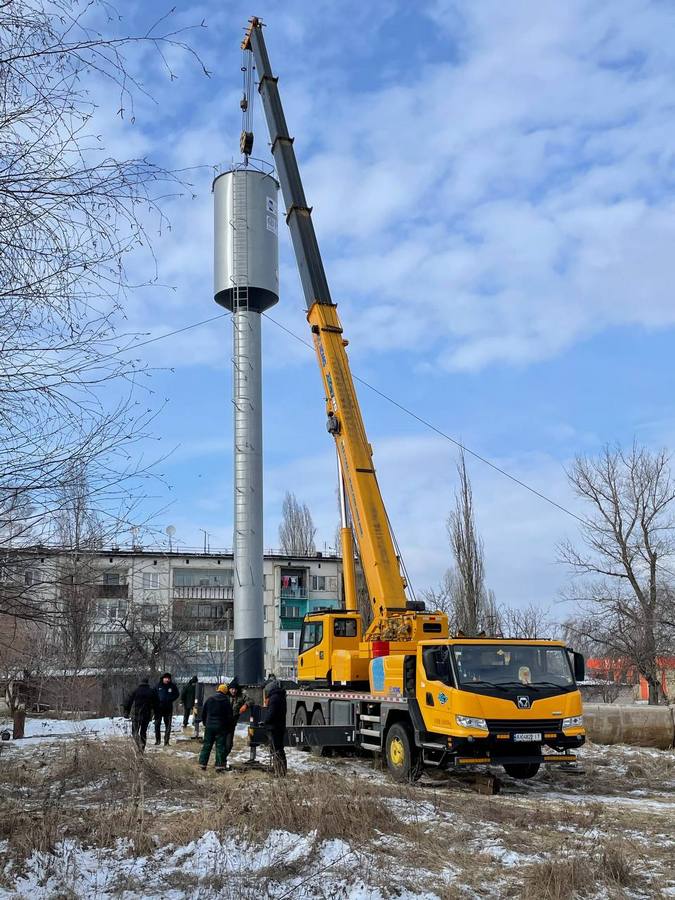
column 442, row 434
column 399, row 406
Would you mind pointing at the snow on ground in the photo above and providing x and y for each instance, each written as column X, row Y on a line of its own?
column 195, row 835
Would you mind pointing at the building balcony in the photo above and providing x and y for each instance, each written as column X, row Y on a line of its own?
column 291, row 623
column 192, row 623
column 111, row 591
column 294, row 593
column 201, row 592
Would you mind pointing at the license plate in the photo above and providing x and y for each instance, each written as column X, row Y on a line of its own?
column 529, row 736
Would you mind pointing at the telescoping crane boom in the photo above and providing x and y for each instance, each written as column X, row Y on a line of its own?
column 403, row 688
column 379, row 559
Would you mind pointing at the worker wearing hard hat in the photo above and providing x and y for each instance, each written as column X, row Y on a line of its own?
column 217, row 719
column 240, row 703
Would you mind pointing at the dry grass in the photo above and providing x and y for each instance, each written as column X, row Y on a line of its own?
column 576, row 872
column 98, row 792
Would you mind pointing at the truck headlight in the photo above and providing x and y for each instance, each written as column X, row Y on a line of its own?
column 470, row 722
column 573, row 722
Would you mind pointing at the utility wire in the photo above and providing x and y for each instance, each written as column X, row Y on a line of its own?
column 409, row 412
column 438, row 431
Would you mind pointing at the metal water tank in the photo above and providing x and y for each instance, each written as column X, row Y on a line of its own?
column 246, row 241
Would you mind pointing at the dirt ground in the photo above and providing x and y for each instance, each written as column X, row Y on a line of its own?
column 88, row 817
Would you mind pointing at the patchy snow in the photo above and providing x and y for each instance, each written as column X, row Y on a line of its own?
column 208, row 863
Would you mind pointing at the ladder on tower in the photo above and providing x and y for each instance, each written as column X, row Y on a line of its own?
column 239, row 224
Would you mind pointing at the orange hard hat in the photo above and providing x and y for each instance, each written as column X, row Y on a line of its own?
column 222, row 688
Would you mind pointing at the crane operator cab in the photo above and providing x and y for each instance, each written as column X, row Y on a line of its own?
column 326, row 634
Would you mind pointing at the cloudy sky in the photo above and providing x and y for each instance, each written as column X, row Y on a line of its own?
column 492, row 187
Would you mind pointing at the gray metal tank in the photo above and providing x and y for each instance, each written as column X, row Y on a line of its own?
column 247, row 196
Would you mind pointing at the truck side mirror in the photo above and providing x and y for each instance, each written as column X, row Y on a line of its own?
column 579, row 666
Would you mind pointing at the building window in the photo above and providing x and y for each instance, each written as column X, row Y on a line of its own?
column 207, row 642
column 150, row 611
column 112, row 610
column 31, row 577
column 291, row 612
column 104, row 641
column 324, row 583
column 150, row 580
column 112, row 578
column 290, row 640
column 204, row 578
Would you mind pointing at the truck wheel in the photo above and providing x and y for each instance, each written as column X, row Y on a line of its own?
column 403, row 760
column 317, row 719
column 521, row 770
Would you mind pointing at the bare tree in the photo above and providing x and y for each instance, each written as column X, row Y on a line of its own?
column 78, row 532
column 474, row 608
column 149, row 644
column 444, row 597
column 626, row 605
column 530, row 621
column 70, row 214
column 297, row 531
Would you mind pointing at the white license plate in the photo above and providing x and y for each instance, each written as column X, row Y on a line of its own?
column 530, row 736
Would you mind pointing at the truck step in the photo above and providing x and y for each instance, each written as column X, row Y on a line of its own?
column 366, row 718
column 370, row 732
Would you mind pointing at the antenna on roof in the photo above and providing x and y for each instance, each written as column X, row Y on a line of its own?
column 170, row 530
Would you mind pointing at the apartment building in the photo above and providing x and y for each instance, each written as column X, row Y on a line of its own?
column 183, row 602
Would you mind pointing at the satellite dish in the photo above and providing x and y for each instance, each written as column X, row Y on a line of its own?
column 170, row 530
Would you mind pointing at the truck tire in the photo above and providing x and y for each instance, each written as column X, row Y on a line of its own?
column 403, row 759
column 521, row 770
column 317, row 719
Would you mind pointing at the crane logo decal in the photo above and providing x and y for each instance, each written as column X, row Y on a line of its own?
column 523, row 701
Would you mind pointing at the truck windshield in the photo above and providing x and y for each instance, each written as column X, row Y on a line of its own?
column 512, row 664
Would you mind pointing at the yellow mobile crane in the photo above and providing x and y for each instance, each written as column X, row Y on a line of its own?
column 402, row 688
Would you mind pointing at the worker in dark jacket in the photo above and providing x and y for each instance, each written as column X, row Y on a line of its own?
column 217, row 719
column 240, row 703
column 274, row 719
column 187, row 696
column 141, row 704
column 167, row 694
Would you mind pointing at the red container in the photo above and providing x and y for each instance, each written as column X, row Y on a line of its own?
column 380, row 648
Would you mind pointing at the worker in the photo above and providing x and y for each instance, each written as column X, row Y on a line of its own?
column 187, row 697
column 217, row 719
column 141, row 704
column 274, row 720
column 167, row 692
column 255, row 716
column 240, row 703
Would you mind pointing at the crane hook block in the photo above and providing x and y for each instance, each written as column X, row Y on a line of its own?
column 246, row 142
column 333, row 424
column 243, row 103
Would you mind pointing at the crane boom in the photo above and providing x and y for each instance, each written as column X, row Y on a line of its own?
column 386, row 587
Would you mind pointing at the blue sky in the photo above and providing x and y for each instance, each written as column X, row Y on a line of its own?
column 493, row 194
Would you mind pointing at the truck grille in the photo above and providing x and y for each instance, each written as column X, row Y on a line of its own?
column 523, row 725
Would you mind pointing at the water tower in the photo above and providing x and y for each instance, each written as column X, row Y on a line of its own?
column 246, row 282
